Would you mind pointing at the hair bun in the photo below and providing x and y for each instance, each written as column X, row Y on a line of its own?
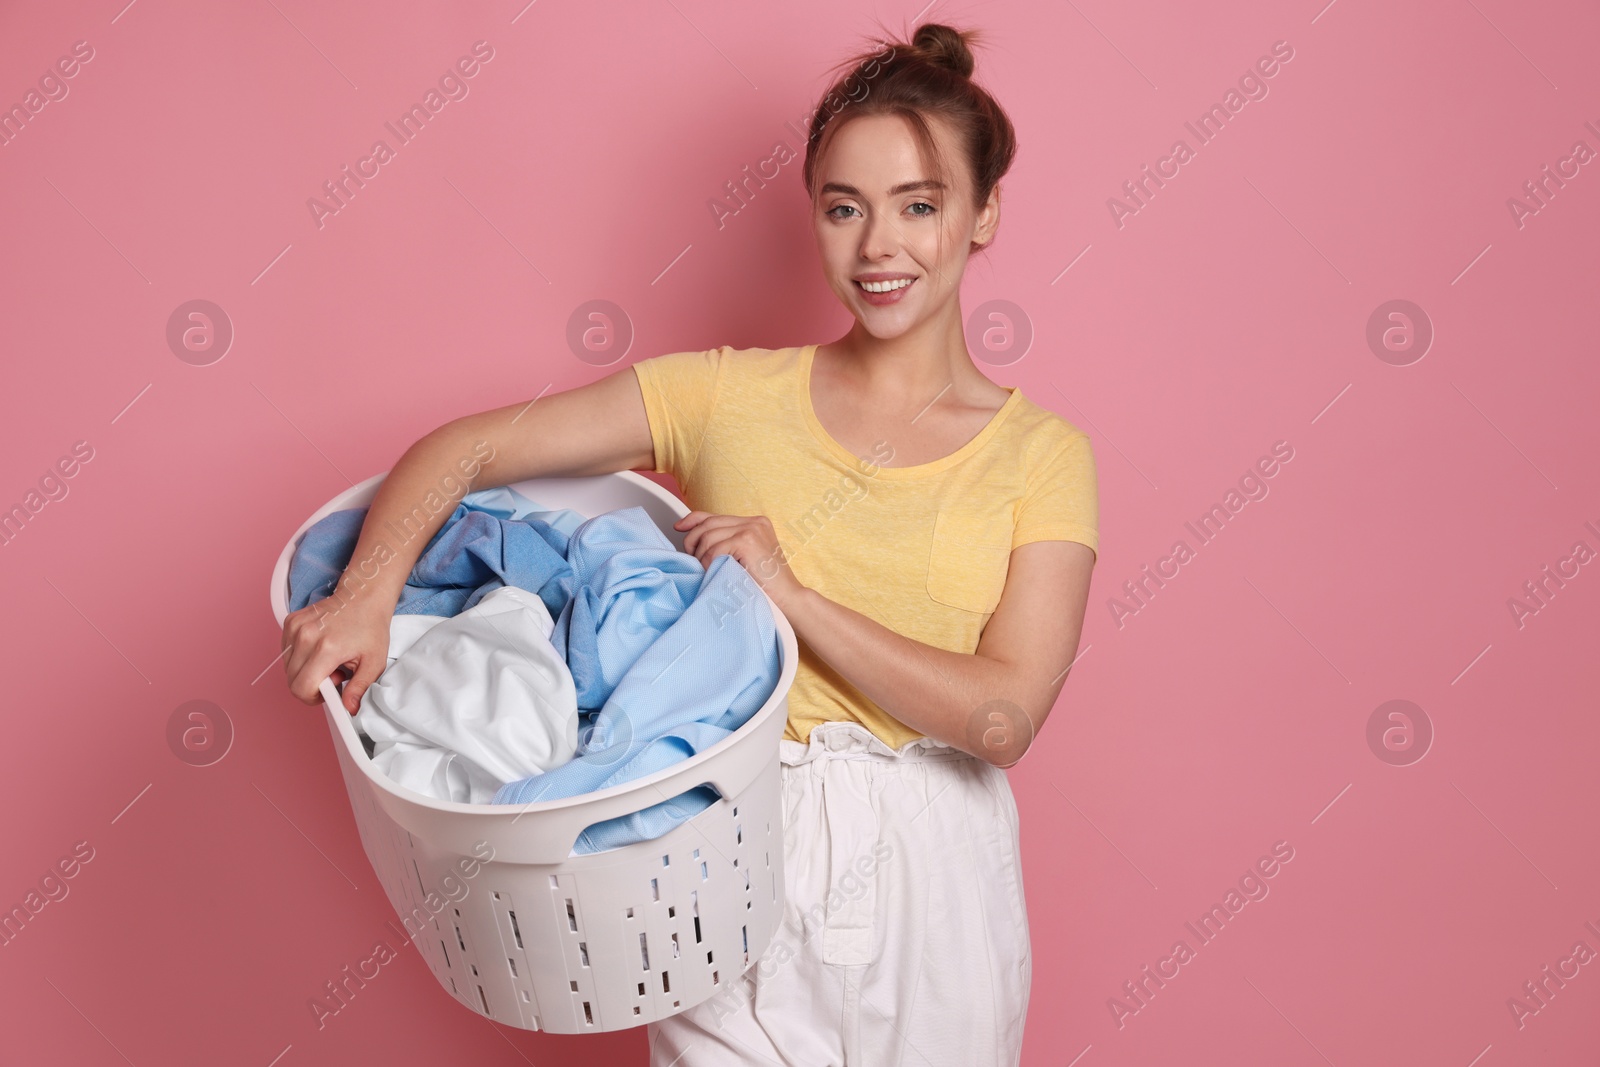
column 943, row 46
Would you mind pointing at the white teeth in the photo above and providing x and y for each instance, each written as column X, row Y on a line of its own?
column 886, row 287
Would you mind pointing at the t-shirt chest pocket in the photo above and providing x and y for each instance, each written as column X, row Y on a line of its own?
column 968, row 560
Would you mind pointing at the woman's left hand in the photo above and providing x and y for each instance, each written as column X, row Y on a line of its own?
column 751, row 541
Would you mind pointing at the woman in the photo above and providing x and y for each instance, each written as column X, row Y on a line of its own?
column 928, row 534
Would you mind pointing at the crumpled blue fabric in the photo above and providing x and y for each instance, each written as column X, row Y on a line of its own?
column 703, row 677
column 629, row 584
column 504, row 502
column 495, row 537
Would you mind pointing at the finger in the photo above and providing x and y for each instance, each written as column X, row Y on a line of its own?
column 293, row 660
column 727, row 541
column 316, row 666
column 292, row 625
column 298, row 690
column 305, row 646
column 366, row 672
column 692, row 524
column 302, row 685
column 300, row 643
column 307, row 638
column 704, row 528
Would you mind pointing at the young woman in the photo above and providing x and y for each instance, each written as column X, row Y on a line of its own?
column 928, row 534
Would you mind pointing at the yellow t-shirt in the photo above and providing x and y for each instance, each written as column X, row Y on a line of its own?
column 922, row 550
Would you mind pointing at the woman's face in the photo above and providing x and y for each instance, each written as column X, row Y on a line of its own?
column 881, row 218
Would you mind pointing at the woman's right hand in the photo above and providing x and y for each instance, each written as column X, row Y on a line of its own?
column 328, row 635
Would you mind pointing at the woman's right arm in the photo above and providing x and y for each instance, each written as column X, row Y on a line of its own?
column 598, row 428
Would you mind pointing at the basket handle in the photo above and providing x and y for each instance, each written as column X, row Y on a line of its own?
column 550, row 837
column 545, row 831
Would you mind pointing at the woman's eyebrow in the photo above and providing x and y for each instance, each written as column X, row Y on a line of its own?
column 903, row 187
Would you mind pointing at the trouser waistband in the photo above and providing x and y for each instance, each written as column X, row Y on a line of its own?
column 852, row 741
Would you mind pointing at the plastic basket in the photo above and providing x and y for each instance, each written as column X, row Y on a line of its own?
column 518, row 929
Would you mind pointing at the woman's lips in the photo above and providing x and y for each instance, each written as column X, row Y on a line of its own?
column 883, row 299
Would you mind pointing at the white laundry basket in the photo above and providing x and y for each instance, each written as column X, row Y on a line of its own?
column 521, row 931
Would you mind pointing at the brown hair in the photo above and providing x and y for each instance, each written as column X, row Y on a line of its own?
column 932, row 75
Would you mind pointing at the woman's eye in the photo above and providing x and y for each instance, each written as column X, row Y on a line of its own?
column 923, row 214
column 840, row 207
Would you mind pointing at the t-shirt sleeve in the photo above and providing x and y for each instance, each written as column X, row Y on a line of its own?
column 680, row 392
column 1062, row 499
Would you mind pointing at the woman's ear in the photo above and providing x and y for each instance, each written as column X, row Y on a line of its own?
column 988, row 219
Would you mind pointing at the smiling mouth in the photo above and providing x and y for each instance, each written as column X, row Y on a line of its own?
column 885, row 287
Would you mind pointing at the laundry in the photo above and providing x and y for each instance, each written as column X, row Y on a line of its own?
column 700, row 680
column 475, row 701
column 504, row 502
column 659, row 658
column 495, row 537
column 629, row 584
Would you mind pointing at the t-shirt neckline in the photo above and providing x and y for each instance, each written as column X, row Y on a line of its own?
column 917, row 470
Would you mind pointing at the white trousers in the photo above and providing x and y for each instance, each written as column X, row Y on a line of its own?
column 905, row 935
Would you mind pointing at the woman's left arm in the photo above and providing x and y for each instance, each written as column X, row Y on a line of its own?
column 991, row 702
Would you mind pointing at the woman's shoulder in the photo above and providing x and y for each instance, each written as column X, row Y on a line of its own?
column 759, row 364
column 1041, row 430
column 719, row 362
column 749, row 356
column 756, row 353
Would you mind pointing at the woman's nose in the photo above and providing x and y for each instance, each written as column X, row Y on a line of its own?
column 879, row 238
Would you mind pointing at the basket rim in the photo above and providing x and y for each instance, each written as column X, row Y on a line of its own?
column 343, row 723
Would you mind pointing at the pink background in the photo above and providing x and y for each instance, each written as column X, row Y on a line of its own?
column 1230, row 713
